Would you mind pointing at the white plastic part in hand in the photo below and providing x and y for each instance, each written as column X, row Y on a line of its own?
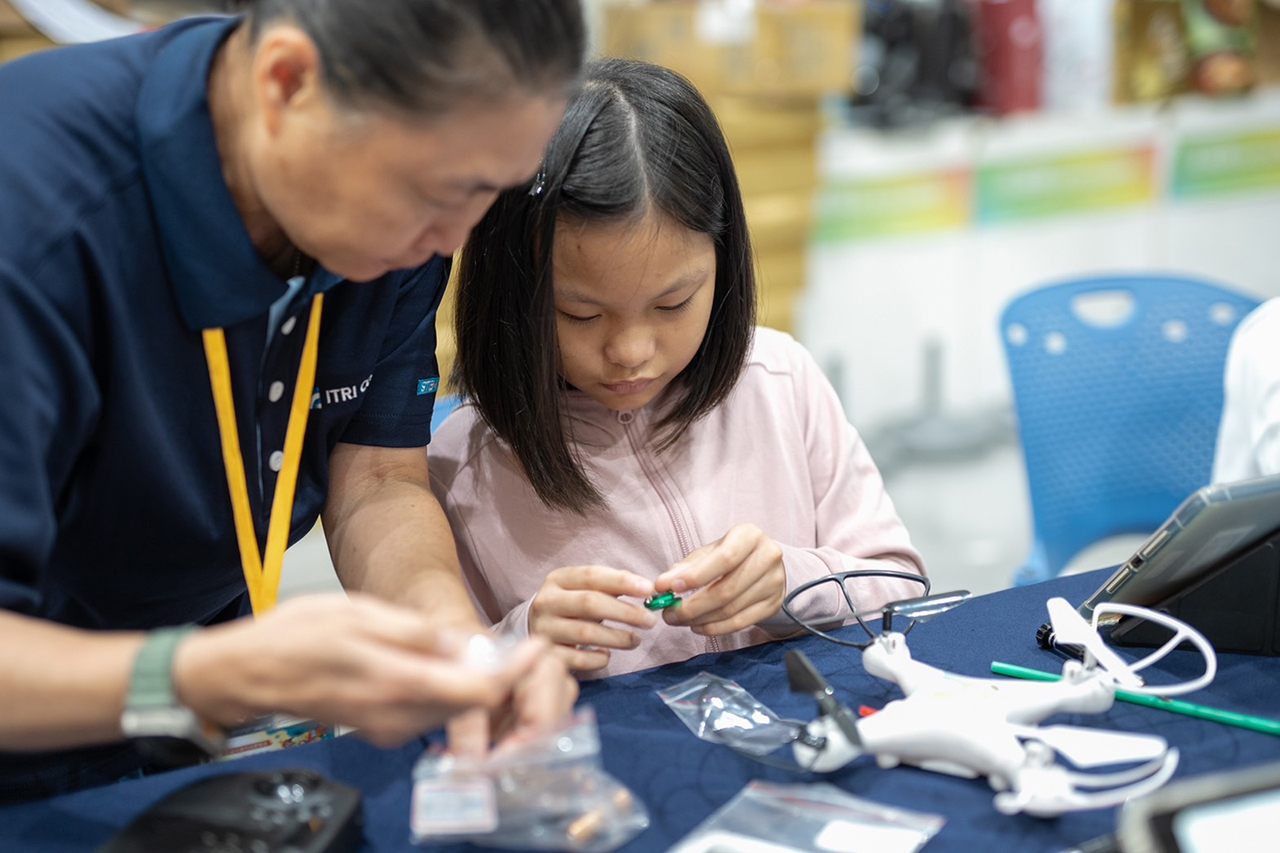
column 488, row 653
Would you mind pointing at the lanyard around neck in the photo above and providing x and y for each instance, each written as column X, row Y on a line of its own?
column 262, row 570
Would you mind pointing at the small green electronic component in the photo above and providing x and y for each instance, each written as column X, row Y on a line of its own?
column 662, row 601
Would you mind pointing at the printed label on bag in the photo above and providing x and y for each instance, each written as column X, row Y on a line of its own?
column 453, row 807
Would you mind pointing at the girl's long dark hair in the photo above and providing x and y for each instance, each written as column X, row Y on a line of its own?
column 636, row 138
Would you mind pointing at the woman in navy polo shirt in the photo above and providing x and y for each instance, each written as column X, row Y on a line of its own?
column 222, row 245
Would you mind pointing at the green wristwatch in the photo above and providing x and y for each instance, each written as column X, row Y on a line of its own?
column 170, row 731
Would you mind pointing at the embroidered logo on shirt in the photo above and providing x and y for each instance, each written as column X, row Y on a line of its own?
column 428, row 386
column 322, row 397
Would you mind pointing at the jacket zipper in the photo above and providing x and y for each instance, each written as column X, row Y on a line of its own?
column 645, row 459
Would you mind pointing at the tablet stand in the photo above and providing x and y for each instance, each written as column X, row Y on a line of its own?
column 1236, row 606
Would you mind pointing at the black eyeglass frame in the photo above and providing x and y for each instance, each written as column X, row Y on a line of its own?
column 841, row 578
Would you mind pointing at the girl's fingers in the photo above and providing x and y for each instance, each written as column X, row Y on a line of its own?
column 709, row 563
column 579, row 632
column 603, row 579
column 739, row 621
column 593, row 606
column 761, row 578
column 583, row 660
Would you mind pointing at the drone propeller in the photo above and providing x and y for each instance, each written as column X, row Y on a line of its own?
column 1048, row 791
column 1180, row 632
column 1070, row 627
column 1085, row 747
column 803, row 677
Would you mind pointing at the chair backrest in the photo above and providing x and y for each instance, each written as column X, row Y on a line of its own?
column 1117, row 385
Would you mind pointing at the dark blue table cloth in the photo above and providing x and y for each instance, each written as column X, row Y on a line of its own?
column 682, row 779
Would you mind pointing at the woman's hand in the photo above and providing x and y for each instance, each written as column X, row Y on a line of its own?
column 362, row 662
column 575, row 601
column 740, row 580
column 540, row 701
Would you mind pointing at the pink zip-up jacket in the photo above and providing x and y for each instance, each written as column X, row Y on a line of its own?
column 778, row 453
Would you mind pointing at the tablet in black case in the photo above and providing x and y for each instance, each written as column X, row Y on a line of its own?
column 1215, row 564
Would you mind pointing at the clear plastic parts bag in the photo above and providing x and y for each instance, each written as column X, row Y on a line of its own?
column 721, row 711
column 808, row 818
column 549, row 793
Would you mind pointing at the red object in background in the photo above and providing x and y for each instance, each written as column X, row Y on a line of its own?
column 1010, row 49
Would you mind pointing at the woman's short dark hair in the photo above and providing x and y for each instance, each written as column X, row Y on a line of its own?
column 635, row 139
column 424, row 57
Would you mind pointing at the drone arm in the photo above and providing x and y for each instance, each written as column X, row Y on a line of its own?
column 1081, row 690
column 889, row 658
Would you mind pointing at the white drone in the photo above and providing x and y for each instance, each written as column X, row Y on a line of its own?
column 972, row 727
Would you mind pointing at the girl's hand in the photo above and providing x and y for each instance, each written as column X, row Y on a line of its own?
column 573, row 603
column 740, row 581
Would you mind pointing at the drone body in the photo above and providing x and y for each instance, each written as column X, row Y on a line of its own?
column 971, row 727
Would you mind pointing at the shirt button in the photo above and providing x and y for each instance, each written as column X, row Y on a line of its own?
column 276, row 460
column 626, row 417
column 288, row 325
column 276, row 391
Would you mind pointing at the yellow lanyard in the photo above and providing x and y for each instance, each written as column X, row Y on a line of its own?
column 262, row 571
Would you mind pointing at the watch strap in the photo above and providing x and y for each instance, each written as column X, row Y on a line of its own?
column 173, row 733
column 152, row 683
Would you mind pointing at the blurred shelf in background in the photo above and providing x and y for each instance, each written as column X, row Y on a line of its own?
column 765, row 68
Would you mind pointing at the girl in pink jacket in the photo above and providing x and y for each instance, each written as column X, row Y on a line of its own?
column 629, row 431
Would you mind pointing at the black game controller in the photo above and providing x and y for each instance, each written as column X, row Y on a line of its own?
column 281, row 811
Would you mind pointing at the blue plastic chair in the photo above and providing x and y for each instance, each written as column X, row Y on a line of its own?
column 1117, row 385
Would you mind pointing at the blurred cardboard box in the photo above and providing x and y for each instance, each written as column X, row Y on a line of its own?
column 778, row 313
column 446, row 339
column 17, row 47
column 767, row 122
column 801, row 48
column 783, row 270
column 781, row 169
column 780, row 220
column 17, row 37
column 782, row 275
column 13, row 24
